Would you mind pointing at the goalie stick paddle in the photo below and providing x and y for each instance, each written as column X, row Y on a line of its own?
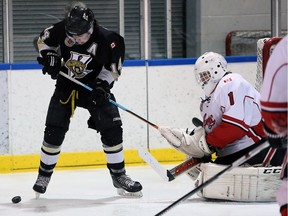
column 111, row 101
column 259, row 147
column 168, row 174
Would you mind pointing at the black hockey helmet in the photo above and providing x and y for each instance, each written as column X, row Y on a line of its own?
column 79, row 21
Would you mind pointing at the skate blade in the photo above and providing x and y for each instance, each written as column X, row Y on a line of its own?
column 37, row 195
column 127, row 194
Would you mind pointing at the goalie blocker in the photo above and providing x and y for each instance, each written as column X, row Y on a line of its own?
column 247, row 184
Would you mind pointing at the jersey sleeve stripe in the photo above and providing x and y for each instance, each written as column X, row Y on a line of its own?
column 235, row 122
column 256, row 132
column 274, row 106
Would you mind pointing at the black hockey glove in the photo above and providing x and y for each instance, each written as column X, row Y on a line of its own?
column 100, row 92
column 275, row 140
column 51, row 62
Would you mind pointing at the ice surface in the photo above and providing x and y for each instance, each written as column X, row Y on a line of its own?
column 90, row 192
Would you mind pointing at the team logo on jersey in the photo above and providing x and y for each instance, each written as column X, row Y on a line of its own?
column 208, row 121
column 77, row 64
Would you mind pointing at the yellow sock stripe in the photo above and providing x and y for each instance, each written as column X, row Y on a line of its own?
column 20, row 163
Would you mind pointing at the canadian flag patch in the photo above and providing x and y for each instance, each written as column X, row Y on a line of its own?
column 112, row 45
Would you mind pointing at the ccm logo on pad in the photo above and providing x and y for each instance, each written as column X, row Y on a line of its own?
column 272, row 170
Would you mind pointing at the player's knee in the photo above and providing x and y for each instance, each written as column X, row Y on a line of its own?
column 54, row 136
column 112, row 136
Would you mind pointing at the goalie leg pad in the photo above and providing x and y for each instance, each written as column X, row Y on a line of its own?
column 241, row 184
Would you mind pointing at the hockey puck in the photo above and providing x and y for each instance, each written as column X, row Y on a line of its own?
column 16, row 199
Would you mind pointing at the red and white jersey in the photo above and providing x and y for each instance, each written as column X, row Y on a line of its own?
column 274, row 89
column 232, row 116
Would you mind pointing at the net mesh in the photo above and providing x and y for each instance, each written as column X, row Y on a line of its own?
column 265, row 47
column 245, row 42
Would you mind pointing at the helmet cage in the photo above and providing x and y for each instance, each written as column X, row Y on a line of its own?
column 203, row 77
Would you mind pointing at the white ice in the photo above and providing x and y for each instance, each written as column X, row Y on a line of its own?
column 90, row 192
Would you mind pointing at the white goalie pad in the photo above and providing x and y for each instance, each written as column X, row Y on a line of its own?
column 248, row 184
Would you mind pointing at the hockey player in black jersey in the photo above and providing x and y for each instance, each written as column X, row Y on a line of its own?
column 81, row 48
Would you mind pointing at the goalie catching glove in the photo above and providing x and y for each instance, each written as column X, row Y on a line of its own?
column 193, row 144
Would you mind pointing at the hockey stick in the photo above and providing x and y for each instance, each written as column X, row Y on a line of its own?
column 269, row 157
column 261, row 146
column 284, row 166
column 111, row 101
column 168, row 174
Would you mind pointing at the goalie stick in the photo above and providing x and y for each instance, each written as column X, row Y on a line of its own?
column 259, row 147
column 168, row 174
column 171, row 174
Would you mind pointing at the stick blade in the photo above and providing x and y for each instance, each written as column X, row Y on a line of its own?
column 149, row 159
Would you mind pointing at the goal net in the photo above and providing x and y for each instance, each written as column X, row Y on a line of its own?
column 244, row 42
column 265, row 47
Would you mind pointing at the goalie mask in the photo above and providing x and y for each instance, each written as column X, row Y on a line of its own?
column 79, row 21
column 209, row 69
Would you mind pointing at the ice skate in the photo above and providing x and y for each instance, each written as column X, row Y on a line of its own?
column 126, row 186
column 41, row 185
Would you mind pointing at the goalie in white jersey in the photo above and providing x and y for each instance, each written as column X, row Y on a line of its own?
column 232, row 123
